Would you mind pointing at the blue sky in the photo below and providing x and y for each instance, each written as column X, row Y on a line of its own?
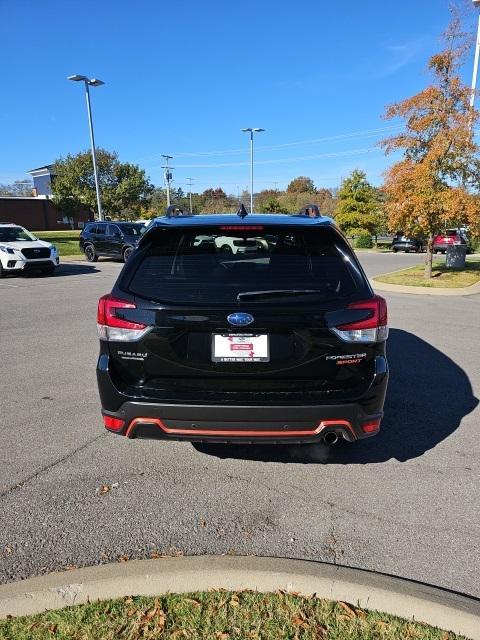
column 184, row 76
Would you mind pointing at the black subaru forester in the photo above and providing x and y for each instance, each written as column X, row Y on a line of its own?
column 261, row 329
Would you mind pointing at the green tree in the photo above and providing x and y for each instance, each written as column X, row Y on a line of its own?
column 267, row 201
column 302, row 184
column 125, row 189
column 358, row 205
column 271, row 205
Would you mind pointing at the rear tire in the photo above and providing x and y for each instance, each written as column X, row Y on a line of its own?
column 127, row 252
column 90, row 253
column 394, row 250
column 1, row 271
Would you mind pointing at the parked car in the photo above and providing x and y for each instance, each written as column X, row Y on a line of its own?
column 110, row 239
column 450, row 237
column 281, row 344
column 22, row 252
column 406, row 243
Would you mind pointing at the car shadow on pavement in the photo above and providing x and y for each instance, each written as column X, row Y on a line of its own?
column 67, row 269
column 427, row 397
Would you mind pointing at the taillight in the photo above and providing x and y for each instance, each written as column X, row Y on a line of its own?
column 373, row 327
column 113, row 424
column 111, row 326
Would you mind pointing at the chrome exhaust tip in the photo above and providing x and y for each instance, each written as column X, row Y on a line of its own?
column 330, row 438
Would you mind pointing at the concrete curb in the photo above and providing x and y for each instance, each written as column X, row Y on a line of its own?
column 425, row 291
column 445, row 609
column 75, row 258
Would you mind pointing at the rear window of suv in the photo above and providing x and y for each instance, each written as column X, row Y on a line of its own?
column 215, row 265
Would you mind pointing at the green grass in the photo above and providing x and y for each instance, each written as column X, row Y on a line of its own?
column 442, row 277
column 217, row 615
column 65, row 241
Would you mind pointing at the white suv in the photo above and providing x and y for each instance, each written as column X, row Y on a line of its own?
column 20, row 251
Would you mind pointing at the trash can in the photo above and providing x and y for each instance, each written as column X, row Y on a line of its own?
column 456, row 255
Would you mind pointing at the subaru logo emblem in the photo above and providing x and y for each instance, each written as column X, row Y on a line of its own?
column 239, row 319
column 36, row 250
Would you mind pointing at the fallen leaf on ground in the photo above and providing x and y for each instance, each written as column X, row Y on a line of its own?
column 350, row 610
column 155, row 555
column 221, row 635
column 151, row 613
column 196, row 603
column 234, row 601
column 343, row 616
column 123, row 558
column 104, row 488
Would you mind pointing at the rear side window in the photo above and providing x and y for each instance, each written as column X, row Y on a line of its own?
column 215, row 265
column 132, row 229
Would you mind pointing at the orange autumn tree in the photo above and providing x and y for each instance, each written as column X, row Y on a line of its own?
column 435, row 184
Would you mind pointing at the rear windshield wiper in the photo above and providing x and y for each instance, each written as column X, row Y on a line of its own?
column 274, row 293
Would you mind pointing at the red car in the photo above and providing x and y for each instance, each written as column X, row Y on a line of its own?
column 450, row 237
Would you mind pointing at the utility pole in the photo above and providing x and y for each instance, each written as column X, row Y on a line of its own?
column 190, row 180
column 168, row 175
column 275, row 185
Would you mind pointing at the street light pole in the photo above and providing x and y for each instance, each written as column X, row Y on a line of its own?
column 252, row 131
column 190, row 180
column 168, row 175
column 476, row 3
column 94, row 152
column 93, row 82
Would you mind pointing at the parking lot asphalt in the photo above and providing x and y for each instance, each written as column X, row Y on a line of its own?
column 404, row 503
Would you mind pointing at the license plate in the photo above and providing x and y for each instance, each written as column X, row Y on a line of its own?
column 235, row 347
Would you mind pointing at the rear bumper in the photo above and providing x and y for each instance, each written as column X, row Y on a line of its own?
column 443, row 246
column 287, row 423
column 405, row 247
column 200, row 423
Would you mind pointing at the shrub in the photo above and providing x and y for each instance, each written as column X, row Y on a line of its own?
column 363, row 241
